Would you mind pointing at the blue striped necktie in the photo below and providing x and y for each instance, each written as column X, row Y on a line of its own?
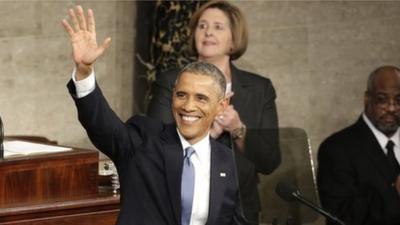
column 187, row 186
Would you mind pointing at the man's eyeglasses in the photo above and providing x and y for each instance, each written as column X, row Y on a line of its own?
column 386, row 102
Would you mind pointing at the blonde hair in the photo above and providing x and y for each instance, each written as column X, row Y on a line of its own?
column 237, row 23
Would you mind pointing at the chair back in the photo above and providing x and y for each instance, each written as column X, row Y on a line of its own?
column 296, row 168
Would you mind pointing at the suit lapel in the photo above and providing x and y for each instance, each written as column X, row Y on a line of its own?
column 173, row 167
column 239, row 87
column 219, row 174
column 374, row 151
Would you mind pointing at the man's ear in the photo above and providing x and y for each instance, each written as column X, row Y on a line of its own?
column 173, row 93
column 366, row 98
column 172, row 97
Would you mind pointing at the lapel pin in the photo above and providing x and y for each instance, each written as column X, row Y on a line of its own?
column 222, row 174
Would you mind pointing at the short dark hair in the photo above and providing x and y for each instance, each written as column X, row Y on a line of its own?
column 237, row 22
column 205, row 69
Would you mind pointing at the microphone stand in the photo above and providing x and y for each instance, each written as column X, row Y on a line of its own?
column 306, row 202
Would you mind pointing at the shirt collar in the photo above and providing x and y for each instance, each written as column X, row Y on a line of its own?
column 202, row 148
column 381, row 137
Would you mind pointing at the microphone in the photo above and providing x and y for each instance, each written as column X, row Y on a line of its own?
column 290, row 193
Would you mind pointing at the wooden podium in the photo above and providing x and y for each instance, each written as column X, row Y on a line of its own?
column 57, row 188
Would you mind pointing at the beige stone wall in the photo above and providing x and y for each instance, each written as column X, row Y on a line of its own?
column 318, row 55
column 36, row 65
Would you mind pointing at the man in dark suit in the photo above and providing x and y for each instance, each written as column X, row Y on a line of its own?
column 358, row 175
column 254, row 102
column 169, row 174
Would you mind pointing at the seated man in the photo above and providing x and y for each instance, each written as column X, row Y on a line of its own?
column 169, row 173
column 358, row 177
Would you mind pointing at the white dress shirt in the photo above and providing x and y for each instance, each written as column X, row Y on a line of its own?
column 201, row 159
column 85, row 86
column 383, row 139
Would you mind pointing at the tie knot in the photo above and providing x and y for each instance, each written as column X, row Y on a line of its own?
column 390, row 145
column 189, row 152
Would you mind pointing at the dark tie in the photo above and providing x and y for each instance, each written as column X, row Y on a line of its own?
column 187, row 187
column 391, row 157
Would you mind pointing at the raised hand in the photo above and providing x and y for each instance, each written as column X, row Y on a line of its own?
column 85, row 50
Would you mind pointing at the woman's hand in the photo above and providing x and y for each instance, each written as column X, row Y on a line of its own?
column 229, row 119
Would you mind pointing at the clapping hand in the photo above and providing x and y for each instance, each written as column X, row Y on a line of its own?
column 228, row 120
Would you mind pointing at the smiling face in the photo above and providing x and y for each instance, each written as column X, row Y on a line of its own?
column 382, row 101
column 195, row 103
column 213, row 35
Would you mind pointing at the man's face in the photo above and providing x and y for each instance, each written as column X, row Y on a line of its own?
column 195, row 103
column 382, row 103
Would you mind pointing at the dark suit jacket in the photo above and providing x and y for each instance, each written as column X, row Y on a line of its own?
column 148, row 156
column 355, row 180
column 254, row 100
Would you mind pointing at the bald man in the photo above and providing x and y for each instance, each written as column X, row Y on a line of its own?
column 358, row 175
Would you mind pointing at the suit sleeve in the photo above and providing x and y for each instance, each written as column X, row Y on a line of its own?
column 248, row 181
column 161, row 101
column 262, row 142
column 239, row 218
column 342, row 194
column 247, row 206
column 106, row 131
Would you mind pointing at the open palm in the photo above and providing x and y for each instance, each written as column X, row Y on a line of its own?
column 85, row 50
column 84, row 47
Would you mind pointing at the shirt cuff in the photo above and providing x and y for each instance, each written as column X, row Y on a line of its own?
column 85, row 86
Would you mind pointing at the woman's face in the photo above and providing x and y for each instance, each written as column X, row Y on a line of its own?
column 213, row 36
